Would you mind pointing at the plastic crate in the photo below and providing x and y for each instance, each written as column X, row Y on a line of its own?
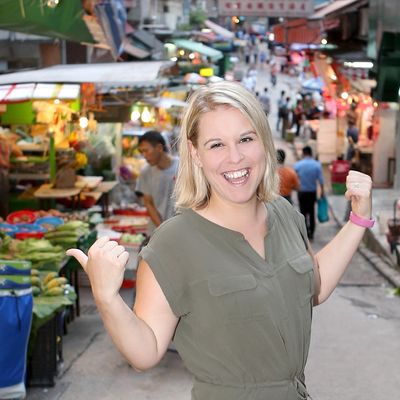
column 46, row 351
column 338, row 188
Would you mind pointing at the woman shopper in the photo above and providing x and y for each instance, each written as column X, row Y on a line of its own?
column 231, row 278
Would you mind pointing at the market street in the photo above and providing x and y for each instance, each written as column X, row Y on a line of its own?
column 354, row 347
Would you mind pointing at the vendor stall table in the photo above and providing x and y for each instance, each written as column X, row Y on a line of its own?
column 47, row 192
column 105, row 188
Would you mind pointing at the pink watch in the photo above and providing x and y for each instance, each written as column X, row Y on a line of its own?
column 365, row 223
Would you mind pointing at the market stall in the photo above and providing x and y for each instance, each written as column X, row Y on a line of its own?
column 33, row 261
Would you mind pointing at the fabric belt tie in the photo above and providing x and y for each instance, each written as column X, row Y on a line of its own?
column 296, row 383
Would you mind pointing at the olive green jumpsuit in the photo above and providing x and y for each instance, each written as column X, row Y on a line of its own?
column 244, row 322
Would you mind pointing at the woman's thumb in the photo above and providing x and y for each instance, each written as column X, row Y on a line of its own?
column 80, row 256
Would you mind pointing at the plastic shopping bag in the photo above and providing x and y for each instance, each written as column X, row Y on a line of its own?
column 323, row 211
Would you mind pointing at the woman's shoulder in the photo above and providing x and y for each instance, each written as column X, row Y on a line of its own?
column 281, row 204
column 172, row 227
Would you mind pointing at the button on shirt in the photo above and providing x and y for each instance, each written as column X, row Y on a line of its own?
column 309, row 172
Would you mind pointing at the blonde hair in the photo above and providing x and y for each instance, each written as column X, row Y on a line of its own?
column 192, row 190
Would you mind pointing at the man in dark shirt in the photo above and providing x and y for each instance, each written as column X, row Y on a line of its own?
column 352, row 137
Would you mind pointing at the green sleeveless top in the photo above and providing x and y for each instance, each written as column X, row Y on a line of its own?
column 244, row 322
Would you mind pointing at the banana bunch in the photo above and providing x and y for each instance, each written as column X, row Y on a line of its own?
column 36, row 282
column 51, row 285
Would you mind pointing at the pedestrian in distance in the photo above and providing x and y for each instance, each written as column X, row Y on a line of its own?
column 352, row 138
column 284, row 112
column 231, row 278
column 281, row 105
column 310, row 175
column 288, row 179
column 156, row 181
column 265, row 101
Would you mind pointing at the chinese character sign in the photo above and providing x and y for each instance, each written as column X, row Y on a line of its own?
column 266, row 8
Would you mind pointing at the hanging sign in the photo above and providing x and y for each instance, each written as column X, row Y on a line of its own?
column 266, row 8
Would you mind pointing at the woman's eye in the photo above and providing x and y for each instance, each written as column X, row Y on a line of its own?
column 215, row 145
column 246, row 139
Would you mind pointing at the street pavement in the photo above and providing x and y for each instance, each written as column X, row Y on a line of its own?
column 355, row 347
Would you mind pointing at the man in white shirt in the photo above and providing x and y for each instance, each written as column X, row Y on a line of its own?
column 157, row 179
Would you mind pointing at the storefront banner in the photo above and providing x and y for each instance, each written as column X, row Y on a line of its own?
column 266, row 8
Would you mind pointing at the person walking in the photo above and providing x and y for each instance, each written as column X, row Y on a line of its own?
column 310, row 174
column 288, row 179
column 156, row 181
column 265, row 101
column 284, row 112
column 281, row 106
column 232, row 277
column 352, row 138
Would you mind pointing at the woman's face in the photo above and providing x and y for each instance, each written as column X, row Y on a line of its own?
column 231, row 155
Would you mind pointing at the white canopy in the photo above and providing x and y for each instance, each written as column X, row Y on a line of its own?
column 219, row 30
column 128, row 73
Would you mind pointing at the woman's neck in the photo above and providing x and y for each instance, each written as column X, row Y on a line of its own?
column 237, row 217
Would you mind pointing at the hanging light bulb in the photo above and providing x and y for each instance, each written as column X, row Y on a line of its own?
column 83, row 122
column 135, row 115
column 146, row 116
column 344, row 95
column 53, row 3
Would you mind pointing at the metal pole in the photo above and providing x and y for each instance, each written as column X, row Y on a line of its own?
column 396, row 180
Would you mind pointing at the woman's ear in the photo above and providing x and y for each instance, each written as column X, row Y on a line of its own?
column 194, row 154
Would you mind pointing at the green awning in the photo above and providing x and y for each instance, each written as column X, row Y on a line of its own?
column 35, row 17
column 198, row 47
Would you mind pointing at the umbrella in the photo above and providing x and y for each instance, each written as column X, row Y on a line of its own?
column 313, row 84
column 192, row 77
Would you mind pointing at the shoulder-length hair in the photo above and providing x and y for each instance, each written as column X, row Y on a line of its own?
column 192, row 190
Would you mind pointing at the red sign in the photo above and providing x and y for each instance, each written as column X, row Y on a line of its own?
column 266, row 8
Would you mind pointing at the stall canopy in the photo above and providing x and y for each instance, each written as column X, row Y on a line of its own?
column 313, row 84
column 219, row 30
column 336, row 7
column 41, row 91
column 126, row 73
column 34, row 16
column 197, row 47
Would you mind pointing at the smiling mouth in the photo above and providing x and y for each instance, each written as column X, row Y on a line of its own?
column 237, row 177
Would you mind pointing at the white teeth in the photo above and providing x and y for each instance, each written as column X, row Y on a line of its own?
column 236, row 174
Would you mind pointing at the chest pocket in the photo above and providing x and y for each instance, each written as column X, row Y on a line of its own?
column 238, row 298
column 303, row 273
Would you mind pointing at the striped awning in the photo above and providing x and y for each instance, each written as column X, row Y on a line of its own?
column 19, row 92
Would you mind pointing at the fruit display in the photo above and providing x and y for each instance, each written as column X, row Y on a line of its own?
column 48, row 283
column 132, row 238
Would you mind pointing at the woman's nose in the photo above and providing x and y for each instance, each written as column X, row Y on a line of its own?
column 235, row 154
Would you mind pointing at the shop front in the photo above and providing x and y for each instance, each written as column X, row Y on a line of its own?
column 60, row 176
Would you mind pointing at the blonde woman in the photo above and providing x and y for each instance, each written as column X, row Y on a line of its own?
column 231, row 278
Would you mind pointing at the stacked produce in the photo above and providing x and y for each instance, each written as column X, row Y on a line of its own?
column 67, row 235
column 38, row 251
column 48, row 283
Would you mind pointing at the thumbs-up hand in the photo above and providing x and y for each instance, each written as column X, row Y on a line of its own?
column 104, row 265
column 359, row 192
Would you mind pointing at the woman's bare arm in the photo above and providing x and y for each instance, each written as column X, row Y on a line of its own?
column 142, row 335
